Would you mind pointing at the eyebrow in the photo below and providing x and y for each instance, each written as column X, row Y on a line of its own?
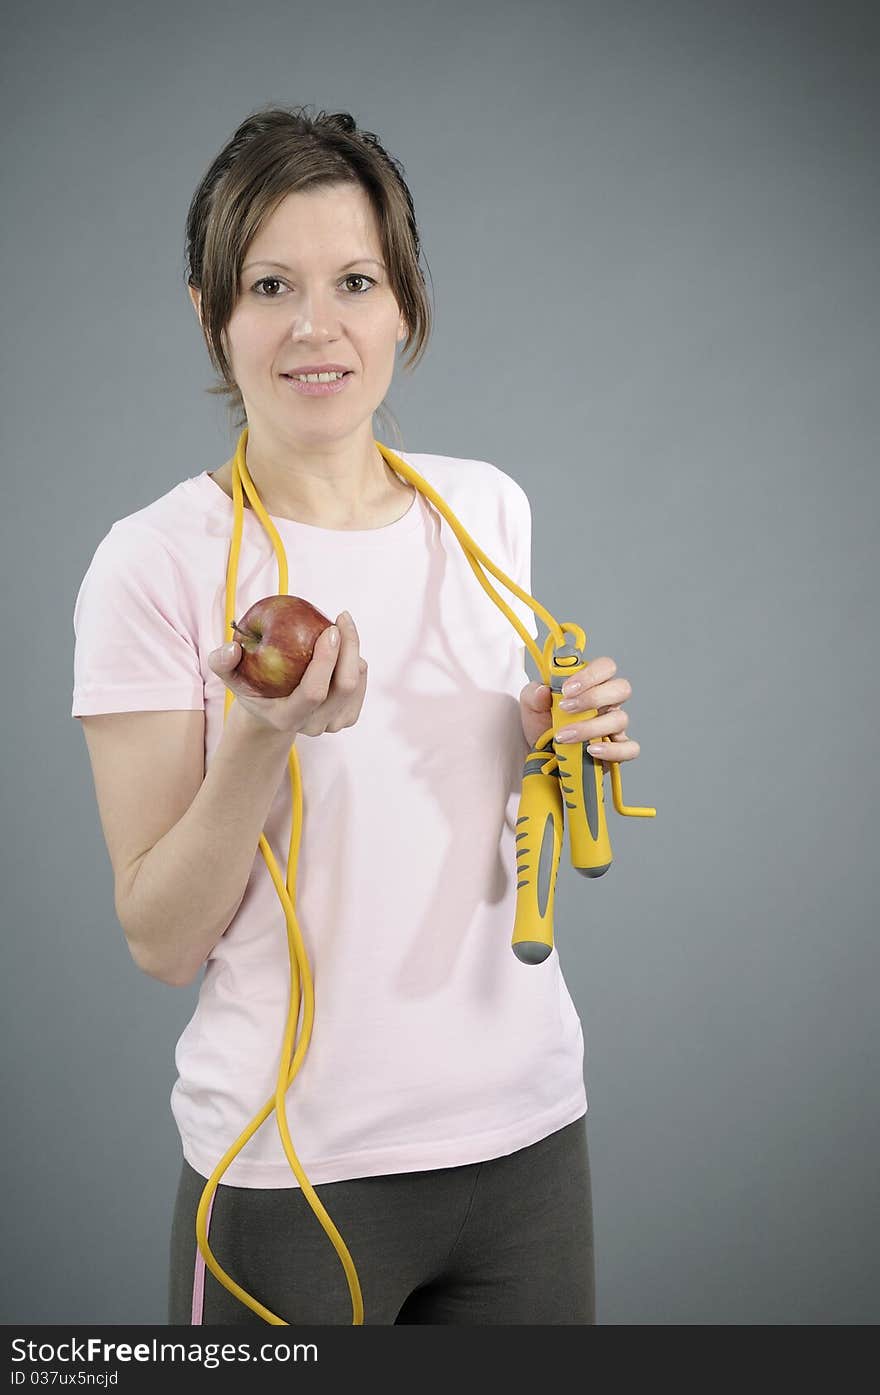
column 357, row 261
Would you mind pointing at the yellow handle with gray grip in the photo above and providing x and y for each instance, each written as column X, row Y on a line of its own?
column 538, row 846
column 568, row 780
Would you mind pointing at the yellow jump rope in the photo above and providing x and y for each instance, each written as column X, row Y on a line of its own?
column 558, row 777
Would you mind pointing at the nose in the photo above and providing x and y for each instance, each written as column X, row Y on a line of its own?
column 314, row 316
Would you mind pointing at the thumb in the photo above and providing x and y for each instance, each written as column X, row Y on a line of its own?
column 536, row 695
column 225, row 658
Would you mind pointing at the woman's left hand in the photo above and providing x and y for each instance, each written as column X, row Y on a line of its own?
column 598, row 690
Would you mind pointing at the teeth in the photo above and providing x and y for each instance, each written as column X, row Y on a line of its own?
column 316, row 377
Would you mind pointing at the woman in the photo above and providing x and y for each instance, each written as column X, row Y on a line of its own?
column 440, row 1109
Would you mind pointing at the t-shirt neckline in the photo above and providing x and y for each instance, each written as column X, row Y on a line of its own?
column 219, row 502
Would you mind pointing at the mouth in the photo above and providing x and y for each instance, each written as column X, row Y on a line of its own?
column 317, row 389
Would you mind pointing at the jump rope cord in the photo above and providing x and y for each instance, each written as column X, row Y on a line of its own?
column 286, row 889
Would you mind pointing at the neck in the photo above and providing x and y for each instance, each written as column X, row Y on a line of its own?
column 331, row 487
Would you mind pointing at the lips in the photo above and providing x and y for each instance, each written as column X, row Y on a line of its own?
column 316, row 387
column 306, row 372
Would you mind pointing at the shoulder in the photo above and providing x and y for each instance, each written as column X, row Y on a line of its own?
column 162, row 521
column 467, row 475
column 139, row 567
column 152, row 536
column 130, row 552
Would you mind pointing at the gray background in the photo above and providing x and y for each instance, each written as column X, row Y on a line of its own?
column 652, row 231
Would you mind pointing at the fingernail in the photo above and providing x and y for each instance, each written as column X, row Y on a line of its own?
column 571, row 686
column 345, row 616
column 334, row 636
column 228, row 650
column 565, row 734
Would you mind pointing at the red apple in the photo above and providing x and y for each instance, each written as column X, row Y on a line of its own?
column 277, row 637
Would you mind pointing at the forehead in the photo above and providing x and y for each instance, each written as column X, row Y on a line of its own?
column 313, row 222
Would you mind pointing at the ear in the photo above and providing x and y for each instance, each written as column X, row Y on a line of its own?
column 195, row 296
column 402, row 330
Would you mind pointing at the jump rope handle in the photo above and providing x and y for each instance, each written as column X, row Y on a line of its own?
column 572, row 785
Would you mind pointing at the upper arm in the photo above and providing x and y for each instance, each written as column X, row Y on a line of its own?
column 147, row 768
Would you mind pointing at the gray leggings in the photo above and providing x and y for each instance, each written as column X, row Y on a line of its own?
column 508, row 1241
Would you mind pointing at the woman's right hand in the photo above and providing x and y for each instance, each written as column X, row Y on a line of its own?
column 328, row 697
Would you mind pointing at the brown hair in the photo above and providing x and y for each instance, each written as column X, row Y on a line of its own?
column 274, row 152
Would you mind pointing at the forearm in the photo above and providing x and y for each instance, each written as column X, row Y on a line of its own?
column 190, row 884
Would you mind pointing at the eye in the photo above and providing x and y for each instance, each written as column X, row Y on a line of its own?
column 276, row 281
column 358, row 276
column 267, row 280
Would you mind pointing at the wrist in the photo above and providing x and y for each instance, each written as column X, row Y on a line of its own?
column 256, row 734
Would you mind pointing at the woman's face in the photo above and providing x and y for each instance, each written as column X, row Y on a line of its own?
column 313, row 290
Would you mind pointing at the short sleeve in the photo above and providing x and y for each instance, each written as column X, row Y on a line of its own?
column 522, row 554
column 134, row 644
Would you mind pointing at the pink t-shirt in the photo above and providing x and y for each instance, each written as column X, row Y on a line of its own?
column 432, row 1044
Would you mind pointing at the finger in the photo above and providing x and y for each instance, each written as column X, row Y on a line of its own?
column 618, row 735
column 225, row 662
column 593, row 728
column 346, row 620
column 318, row 674
column 225, row 658
column 327, row 650
column 596, row 671
column 537, row 696
column 624, row 750
column 602, row 697
column 348, row 672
